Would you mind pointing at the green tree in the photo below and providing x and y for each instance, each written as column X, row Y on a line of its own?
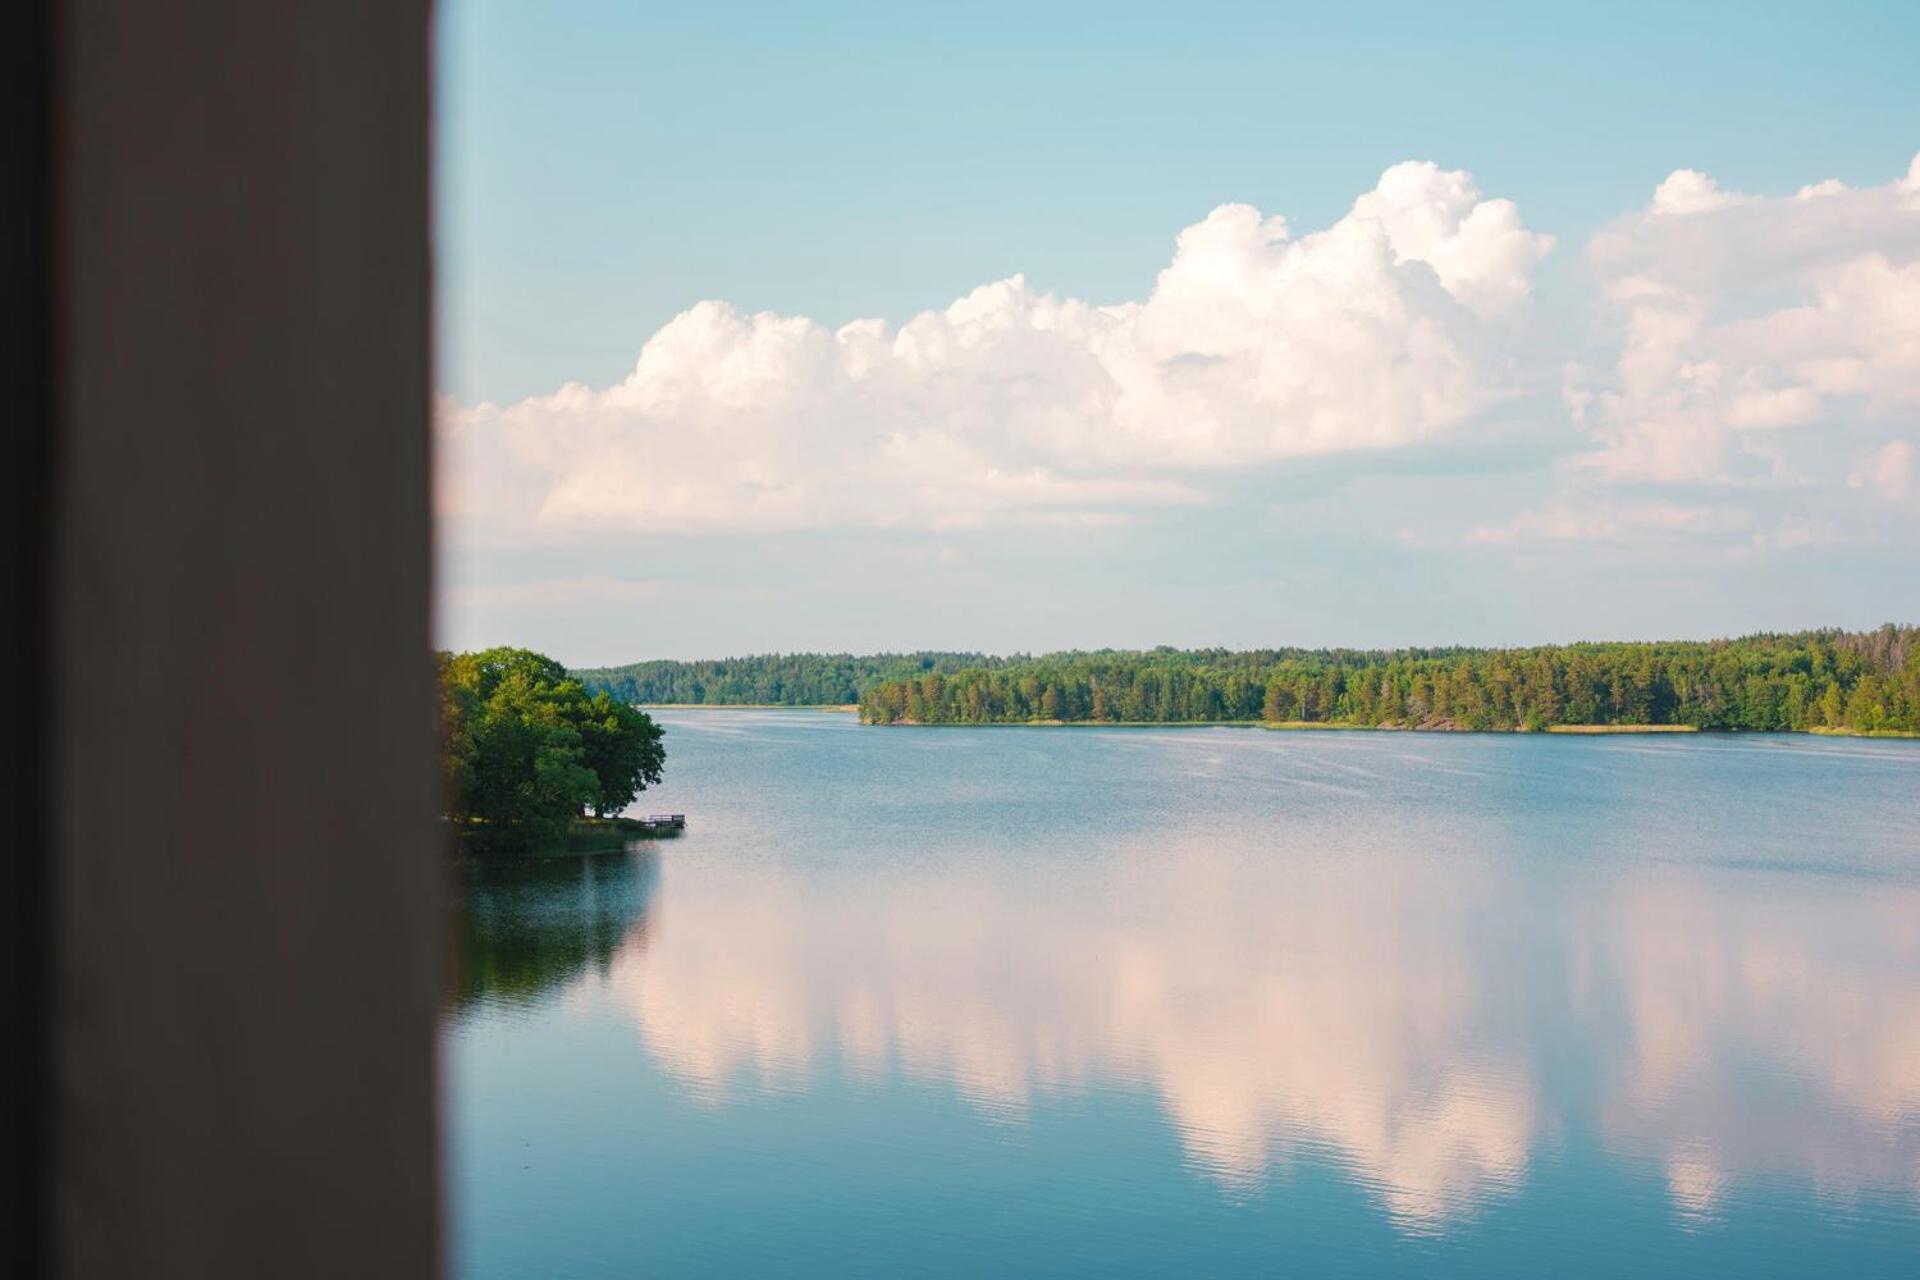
column 623, row 747
column 526, row 749
column 1850, row 680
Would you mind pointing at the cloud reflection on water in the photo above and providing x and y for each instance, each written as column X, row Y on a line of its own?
column 1771, row 1026
column 1398, row 1017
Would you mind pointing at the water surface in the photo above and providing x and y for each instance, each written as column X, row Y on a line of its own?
column 959, row 1002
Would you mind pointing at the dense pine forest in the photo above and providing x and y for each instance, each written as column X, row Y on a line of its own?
column 788, row 680
column 1865, row 682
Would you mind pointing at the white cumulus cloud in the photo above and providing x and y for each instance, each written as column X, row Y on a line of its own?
column 1761, row 352
column 1388, row 328
column 1740, row 317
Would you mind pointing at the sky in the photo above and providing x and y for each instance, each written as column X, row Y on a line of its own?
column 1020, row 327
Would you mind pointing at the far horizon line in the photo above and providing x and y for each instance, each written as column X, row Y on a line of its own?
column 1030, row 654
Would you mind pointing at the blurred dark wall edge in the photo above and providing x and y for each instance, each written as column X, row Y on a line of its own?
column 24, row 440
column 223, row 918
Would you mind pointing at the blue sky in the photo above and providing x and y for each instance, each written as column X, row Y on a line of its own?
column 605, row 168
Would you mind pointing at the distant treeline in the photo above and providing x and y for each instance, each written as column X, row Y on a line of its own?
column 1858, row 681
column 774, row 679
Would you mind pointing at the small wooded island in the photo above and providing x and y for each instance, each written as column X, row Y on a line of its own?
column 528, row 752
column 1833, row 681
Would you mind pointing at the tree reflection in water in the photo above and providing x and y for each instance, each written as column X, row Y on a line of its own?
column 524, row 927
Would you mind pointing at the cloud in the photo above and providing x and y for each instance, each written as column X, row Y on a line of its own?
column 1688, row 191
column 1758, row 351
column 1888, row 471
column 549, row 592
column 1737, row 317
column 1600, row 521
column 1388, row 328
column 1751, row 387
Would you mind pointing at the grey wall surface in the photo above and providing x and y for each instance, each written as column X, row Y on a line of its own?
column 245, row 882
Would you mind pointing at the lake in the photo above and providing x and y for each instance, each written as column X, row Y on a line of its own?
column 1026, row 1001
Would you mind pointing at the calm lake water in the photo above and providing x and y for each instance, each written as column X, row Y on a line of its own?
column 975, row 1002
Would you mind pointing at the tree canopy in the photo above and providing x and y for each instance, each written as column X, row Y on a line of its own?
column 771, row 679
column 1856, row 681
column 527, row 749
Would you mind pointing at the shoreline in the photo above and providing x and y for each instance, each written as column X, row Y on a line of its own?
column 1633, row 728
column 584, row 837
column 746, row 706
column 1320, row 726
column 1828, row 731
column 1281, row 726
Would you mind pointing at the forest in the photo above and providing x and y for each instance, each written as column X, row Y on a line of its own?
column 786, row 680
column 1838, row 681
